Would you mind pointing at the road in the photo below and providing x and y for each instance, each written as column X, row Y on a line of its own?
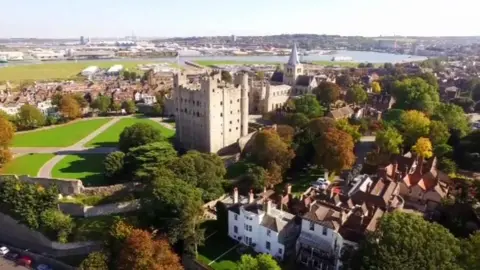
column 9, row 265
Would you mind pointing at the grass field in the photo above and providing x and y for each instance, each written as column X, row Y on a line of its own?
column 88, row 168
column 109, row 138
column 96, row 228
column 27, row 164
column 60, row 136
column 65, row 70
column 231, row 62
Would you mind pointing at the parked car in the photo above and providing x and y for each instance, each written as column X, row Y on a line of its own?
column 43, row 267
column 11, row 256
column 24, row 261
column 4, row 251
column 321, row 183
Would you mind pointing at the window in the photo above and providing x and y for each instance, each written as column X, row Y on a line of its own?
column 231, row 112
column 280, row 251
column 235, row 229
column 248, row 240
column 248, row 228
column 229, row 130
column 231, row 102
column 324, row 231
column 230, row 122
column 238, row 120
column 312, row 226
column 269, row 232
column 267, row 245
column 221, row 103
column 235, row 217
column 221, row 114
column 238, row 100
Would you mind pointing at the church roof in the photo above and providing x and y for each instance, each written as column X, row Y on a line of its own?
column 294, row 59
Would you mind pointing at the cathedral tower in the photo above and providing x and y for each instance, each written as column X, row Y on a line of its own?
column 293, row 68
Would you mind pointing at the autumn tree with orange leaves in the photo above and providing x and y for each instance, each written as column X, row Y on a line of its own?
column 334, row 150
column 70, row 108
column 7, row 131
column 141, row 252
column 272, row 153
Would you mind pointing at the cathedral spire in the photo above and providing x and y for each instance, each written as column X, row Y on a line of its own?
column 294, row 60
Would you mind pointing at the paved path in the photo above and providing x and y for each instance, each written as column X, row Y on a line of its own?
column 46, row 169
column 162, row 122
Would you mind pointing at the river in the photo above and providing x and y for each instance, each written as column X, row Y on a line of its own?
column 357, row 56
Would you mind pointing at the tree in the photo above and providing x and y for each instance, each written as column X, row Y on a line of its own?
column 82, row 102
column 356, row 95
column 309, row 106
column 334, row 150
column 5, row 156
column 226, row 76
column 55, row 222
column 439, row 133
column 393, row 118
column 260, row 75
column 327, row 93
column 298, row 120
column 102, row 104
column 129, row 106
column 95, row 260
column 138, row 134
column 69, row 107
column 113, row 164
column 255, row 178
column 415, row 94
column 30, row 117
column 388, row 66
column 269, row 151
column 467, row 104
column 430, row 79
column 447, row 165
column 389, row 140
column 414, row 124
column 175, row 207
column 141, row 252
column 286, row 132
column 157, row 110
column 345, row 80
column 344, row 125
column 397, row 240
column 116, row 106
column 7, row 131
column 201, row 170
column 441, row 150
column 56, row 99
column 260, row 262
column 423, row 148
column 470, row 255
column 453, row 116
column 143, row 161
column 376, row 88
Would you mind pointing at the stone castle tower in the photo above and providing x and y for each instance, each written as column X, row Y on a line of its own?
column 293, row 68
column 210, row 115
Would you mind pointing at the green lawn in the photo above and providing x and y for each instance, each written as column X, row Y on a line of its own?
column 301, row 181
column 231, row 62
column 60, row 136
column 88, row 168
column 110, row 136
column 27, row 164
column 64, row 70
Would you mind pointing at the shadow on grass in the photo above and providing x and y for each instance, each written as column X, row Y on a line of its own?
column 89, row 169
column 104, row 144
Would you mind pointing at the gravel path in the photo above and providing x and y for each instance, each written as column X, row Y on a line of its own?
column 46, row 169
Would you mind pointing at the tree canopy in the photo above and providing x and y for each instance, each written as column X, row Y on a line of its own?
column 226, row 76
column 415, row 124
column 7, row 131
column 129, row 106
column 260, row 262
column 95, row 260
column 327, row 93
column 309, row 106
column 69, row 107
column 353, row 130
column 423, row 148
column 138, row 134
column 334, row 150
column 356, row 95
column 393, row 118
column 439, row 133
column 453, row 116
column 415, row 94
column 113, row 164
column 398, row 240
column 376, row 88
column 102, row 104
column 30, row 117
column 389, row 140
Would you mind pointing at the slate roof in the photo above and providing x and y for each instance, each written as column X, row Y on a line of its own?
column 277, row 77
column 303, row 80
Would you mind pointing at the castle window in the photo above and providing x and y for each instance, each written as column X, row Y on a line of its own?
column 237, row 128
column 238, row 120
column 230, row 122
column 238, row 100
column 238, row 111
column 231, row 112
column 229, row 130
column 198, row 115
column 221, row 114
column 231, row 101
column 221, row 103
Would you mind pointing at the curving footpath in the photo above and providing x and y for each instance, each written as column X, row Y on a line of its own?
column 78, row 147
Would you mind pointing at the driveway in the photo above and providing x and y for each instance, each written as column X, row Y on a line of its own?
column 9, row 265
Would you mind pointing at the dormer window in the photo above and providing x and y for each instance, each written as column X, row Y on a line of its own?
column 312, row 226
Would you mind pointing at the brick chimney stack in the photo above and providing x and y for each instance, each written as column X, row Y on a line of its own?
column 250, row 196
column 269, row 206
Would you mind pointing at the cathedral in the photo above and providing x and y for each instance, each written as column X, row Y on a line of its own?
column 292, row 81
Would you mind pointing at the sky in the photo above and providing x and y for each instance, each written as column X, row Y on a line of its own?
column 181, row 18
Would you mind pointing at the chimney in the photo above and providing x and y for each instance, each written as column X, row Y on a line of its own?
column 269, row 206
column 235, row 195
column 325, row 175
column 264, row 190
column 288, row 189
column 250, row 196
column 394, row 170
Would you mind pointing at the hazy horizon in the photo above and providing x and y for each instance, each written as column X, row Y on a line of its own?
column 60, row 19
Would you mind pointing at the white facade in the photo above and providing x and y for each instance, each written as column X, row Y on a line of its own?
column 248, row 226
column 12, row 56
column 10, row 109
column 46, row 107
column 115, row 69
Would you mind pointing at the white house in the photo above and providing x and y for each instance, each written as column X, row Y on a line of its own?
column 257, row 222
column 90, row 71
column 46, row 107
column 115, row 69
column 10, row 109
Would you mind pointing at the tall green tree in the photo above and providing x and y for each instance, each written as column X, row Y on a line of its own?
column 143, row 161
column 353, row 130
column 414, row 124
column 129, row 106
column 389, row 140
column 138, row 134
column 397, row 241
column 327, row 93
column 102, row 104
column 113, row 165
column 415, row 94
column 470, row 256
column 260, row 262
column 439, row 133
column 175, row 207
column 30, row 117
column 309, row 106
column 95, row 260
column 453, row 116
column 356, row 95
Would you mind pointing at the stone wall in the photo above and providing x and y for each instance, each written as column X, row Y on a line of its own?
column 78, row 210
column 65, row 186
column 109, row 190
column 19, row 235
